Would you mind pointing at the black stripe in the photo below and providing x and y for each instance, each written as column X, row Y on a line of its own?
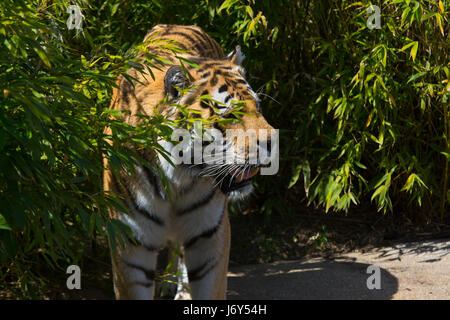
column 223, row 88
column 213, row 81
column 174, row 42
column 211, row 51
column 232, row 83
column 194, row 273
column 205, row 75
column 134, row 241
column 199, row 203
column 206, row 38
column 224, row 73
column 197, row 45
column 198, row 60
column 168, row 28
column 218, row 49
column 131, row 202
column 146, row 213
column 149, row 274
column 180, row 46
column 228, row 98
column 180, row 115
column 204, row 105
column 143, row 284
column 125, row 90
column 153, row 179
column 198, row 33
column 230, row 116
column 201, row 39
column 197, row 274
column 205, row 234
column 209, row 65
column 219, row 106
column 218, row 127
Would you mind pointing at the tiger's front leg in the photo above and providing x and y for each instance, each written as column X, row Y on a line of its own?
column 207, row 259
column 134, row 272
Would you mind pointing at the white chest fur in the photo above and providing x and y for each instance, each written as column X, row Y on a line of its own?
column 194, row 209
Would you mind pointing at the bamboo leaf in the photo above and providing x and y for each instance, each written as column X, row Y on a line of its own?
column 406, row 46
column 414, row 48
column 295, row 176
column 416, row 76
column 439, row 22
column 226, row 5
column 43, row 57
column 4, row 224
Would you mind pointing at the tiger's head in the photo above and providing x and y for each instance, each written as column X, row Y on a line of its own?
column 236, row 149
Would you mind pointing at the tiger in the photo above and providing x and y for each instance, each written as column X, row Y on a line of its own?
column 195, row 216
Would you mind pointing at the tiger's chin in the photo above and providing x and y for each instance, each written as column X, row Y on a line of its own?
column 238, row 186
column 242, row 192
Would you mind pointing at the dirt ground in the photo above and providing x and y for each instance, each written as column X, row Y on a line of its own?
column 314, row 233
column 410, row 271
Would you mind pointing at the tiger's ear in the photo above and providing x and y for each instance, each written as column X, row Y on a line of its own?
column 175, row 77
column 236, row 56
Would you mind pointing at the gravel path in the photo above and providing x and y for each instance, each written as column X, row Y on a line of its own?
column 419, row 270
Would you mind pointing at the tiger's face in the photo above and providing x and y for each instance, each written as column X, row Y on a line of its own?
column 241, row 147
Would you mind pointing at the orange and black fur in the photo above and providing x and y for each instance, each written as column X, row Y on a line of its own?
column 195, row 217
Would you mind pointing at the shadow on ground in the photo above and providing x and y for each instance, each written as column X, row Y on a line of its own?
column 312, row 279
column 431, row 251
column 416, row 270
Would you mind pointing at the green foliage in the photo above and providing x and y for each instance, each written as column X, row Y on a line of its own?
column 52, row 115
column 363, row 113
column 320, row 239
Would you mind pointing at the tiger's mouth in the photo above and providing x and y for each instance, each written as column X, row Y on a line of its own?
column 237, row 179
